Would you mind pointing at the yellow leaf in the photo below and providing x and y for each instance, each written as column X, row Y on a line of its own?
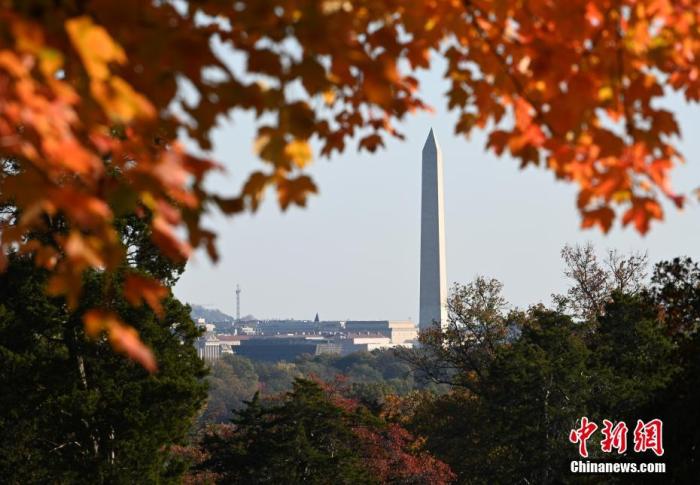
column 120, row 101
column 50, row 61
column 95, row 46
column 329, row 97
column 621, row 196
column 148, row 200
column 97, row 50
column 605, row 93
column 260, row 143
column 299, row 152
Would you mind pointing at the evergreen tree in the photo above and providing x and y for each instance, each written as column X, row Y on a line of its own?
column 514, row 427
column 676, row 289
column 73, row 411
column 536, row 390
column 307, row 439
column 632, row 358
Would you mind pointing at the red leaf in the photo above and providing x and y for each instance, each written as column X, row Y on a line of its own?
column 641, row 213
column 371, row 142
column 602, row 217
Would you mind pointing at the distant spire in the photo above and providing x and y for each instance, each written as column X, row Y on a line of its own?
column 316, row 319
column 238, row 303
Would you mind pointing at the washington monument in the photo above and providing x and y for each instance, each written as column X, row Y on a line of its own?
column 433, row 277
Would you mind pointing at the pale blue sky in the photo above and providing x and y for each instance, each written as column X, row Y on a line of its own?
column 353, row 253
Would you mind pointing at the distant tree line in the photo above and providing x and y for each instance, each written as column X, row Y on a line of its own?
column 369, row 377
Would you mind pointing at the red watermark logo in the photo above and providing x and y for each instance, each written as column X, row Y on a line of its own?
column 647, row 436
column 615, row 437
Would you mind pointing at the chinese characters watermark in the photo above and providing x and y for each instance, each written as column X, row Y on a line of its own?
column 647, row 436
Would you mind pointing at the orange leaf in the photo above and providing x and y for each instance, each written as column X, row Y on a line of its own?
column 139, row 288
column 164, row 237
column 641, row 213
column 83, row 249
column 126, row 339
column 377, row 90
column 523, row 116
column 96, row 321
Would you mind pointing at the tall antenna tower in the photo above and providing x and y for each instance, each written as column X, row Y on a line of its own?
column 238, row 303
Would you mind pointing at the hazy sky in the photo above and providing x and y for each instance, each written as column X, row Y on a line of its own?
column 353, row 253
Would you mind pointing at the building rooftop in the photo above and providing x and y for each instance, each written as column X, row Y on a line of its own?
column 366, row 335
column 233, row 338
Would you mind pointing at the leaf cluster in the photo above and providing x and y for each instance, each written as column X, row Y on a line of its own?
column 98, row 96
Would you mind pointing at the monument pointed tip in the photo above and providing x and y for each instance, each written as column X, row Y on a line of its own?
column 430, row 140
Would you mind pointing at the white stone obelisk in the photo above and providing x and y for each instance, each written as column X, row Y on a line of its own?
column 433, row 276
